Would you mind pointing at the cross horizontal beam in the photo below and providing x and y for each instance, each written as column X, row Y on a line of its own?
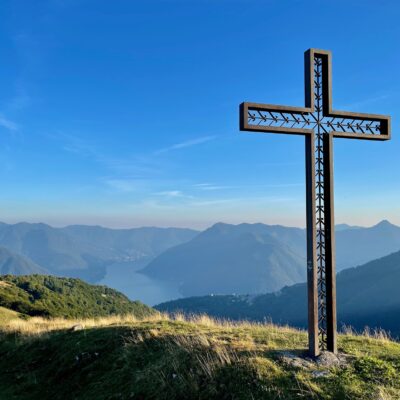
column 275, row 119
column 269, row 118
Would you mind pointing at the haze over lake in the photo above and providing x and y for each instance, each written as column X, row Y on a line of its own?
column 125, row 278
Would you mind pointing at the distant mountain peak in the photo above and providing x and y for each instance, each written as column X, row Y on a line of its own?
column 219, row 227
column 343, row 227
column 13, row 263
column 384, row 224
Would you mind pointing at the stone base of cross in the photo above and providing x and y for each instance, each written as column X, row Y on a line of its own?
column 319, row 124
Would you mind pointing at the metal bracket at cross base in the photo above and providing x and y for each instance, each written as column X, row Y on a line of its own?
column 319, row 124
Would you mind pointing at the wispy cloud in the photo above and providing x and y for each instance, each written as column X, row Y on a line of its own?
column 211, row 186
column 21, row 100
column 14, row 106
column 279, row 164
column 361, row 104
column 123, row 185
column 173, row 194
column 74, row 144
column 211, row 202
column 237, row 201
column 138, row 167
column 8, row 124
column 283, row 185
column 188, row 143
column 128, row 170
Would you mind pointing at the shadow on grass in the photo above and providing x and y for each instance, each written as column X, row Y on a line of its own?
column 137, row 363
column 157, row 361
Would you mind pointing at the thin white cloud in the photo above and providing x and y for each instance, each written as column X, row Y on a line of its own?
column 8, row 124
column 174, row 195
column 188, row 143
column 21, row 100
column 122, row 185
column 283, row 185
column 361, row 104
column 202, row 184
column 74, row 144
column 202, row 203
column 171, row 193
column 240, row 201
column 210, row 186
column 139, row 167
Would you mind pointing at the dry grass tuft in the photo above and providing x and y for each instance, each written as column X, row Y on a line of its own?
column 378, row 334
column 206, row 321
column 35, row 326
column 38, row 325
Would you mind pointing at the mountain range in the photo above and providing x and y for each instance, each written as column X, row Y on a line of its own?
column 223, row 259
column 367, row 295
column 12, row 263
column 259, row 258
column 82, row 251
column 246, row 258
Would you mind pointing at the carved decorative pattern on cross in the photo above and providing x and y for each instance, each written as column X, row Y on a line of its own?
column 320, row 205
column 319, row 124
column 277, row 119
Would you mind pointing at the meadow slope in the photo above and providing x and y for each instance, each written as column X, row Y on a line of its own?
column 172, row 358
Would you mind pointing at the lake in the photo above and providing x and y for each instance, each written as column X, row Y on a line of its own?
column 125, row 278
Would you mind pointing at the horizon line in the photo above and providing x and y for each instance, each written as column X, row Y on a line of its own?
column 62, row 226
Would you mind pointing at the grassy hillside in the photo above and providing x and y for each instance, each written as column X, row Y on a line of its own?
column 159, row 358
column 7, row 315
column 49, row 296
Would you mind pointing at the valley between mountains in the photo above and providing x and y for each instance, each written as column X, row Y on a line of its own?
column 245, row 271
column 224, row 259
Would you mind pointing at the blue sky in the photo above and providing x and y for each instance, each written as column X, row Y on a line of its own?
column 125, row 113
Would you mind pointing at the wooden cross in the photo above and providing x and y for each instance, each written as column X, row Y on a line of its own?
column 319, row 124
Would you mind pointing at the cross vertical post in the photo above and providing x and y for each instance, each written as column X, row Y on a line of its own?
column 319, row 124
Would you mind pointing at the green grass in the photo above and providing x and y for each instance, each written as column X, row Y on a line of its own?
column 7, row 315
column 160, row 358
column 50, row 296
